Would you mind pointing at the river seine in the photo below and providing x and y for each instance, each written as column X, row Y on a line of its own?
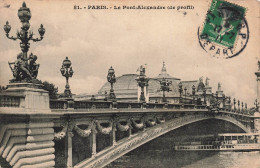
column 187, row 159
column 159, row 153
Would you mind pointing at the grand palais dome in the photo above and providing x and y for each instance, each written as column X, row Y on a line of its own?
column 126, row 88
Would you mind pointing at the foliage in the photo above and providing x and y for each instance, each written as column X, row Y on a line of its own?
column 51, row 89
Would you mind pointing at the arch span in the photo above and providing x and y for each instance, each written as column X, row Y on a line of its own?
column 126, row 145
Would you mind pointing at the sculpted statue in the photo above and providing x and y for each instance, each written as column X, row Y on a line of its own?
column 33, row 67
column 201, row 79
column 201, row 85
column 22, row 72
column 142, row 70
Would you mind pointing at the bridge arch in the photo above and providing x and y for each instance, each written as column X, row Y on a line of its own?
column 128, row 144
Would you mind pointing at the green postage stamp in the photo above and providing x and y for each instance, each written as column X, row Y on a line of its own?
column 223, row 23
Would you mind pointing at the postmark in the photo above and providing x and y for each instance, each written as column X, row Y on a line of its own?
column 225, row 32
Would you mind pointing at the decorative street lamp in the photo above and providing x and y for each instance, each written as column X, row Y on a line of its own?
column 165, row 87
column 246, row 107
column 224, row 100
column 67, row 72
column 242, row 104
column 256, row 103
column 142, row 81
column 229, row 100
column 180, row 91
column 185, row 94
column 238, row 105
column 217, row 101
column 204, row 95
column 229, row 103
column 234, row 100
column 193, row 94
column 23, row 35
column 111, row 78
column 27, row 72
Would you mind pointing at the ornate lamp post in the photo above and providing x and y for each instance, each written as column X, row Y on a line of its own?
column 238, row 105
column 28, row 72
column 212, row 100
column 67, row 72
column 142, row 82
column 256, row 103
column 111, row 78
column 193, row 94
column 185, row 94
column 234, row 100
column 224, row 101
column 217, row 101
column 242, row 104
column 165, row 87
column 229, row 103
column 23, row 35
column 180, row 91
column 204, row 95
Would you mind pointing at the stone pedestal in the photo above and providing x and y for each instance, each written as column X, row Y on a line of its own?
column 31, row 97
column 26, row 126
column 146, row 94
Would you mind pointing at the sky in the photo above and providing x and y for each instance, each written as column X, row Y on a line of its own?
column 94, row 40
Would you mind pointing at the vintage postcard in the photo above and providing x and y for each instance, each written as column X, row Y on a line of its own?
column 130, row 83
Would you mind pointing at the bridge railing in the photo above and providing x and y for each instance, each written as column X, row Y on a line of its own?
column 58, row 104
column 77, row 105
column 91, row 104
column 10, row 100
column 16, row 101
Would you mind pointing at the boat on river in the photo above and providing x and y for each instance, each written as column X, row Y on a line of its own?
column 223, row 142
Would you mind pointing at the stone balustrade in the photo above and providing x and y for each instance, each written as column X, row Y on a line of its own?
column 11, row 100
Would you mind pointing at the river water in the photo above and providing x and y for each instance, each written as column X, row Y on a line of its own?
column 159, row 153
column 187, row 159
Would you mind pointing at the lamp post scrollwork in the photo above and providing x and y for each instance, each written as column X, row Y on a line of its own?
column 223, row 101
column 204, row 96
column 67, row 72
column 180, row 91
column 238, row 105
column 111, row 78
column 217, row 101
column 142, row 81
column 242, row 105
column 185, row 95
column 229, row 103
column 193, row 94
column 21, row 69
column 256, row 103
column 165, row 87
column 234, row 102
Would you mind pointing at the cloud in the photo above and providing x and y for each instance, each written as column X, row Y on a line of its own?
column 95, row 40
column 89, row 84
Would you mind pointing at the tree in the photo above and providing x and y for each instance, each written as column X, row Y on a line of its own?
column 51, row 89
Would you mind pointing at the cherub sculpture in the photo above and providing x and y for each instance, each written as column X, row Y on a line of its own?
column 22, row 72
